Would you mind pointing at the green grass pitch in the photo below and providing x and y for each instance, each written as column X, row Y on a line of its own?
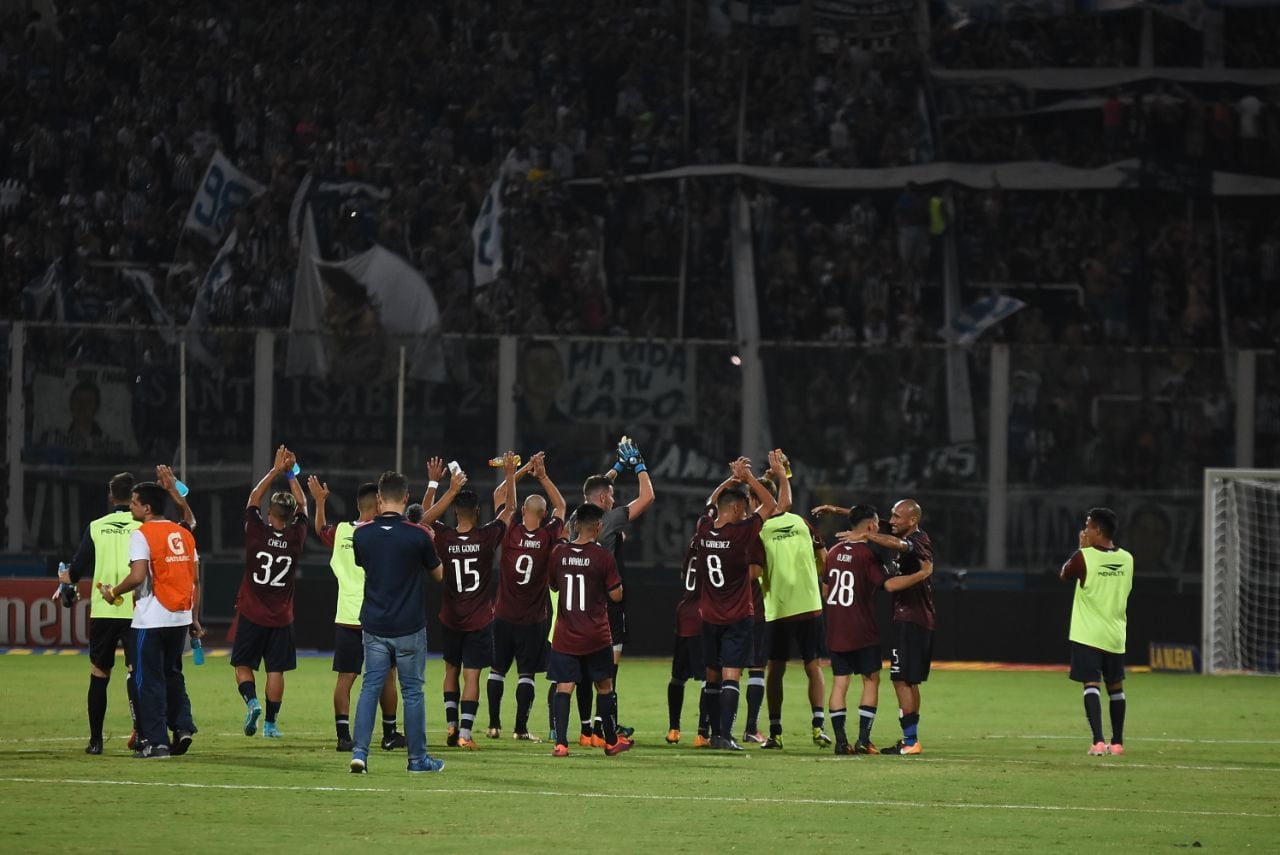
column 1004, row 770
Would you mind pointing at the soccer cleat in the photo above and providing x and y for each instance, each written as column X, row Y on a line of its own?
column 394, row 741
column 253, row 712
column 426, row 764
column 451, row 738
column 181, row 742
column 861, row 747
column 673, row 736
column 467, row 744
column 726, row 743
column 270, row 731
column 94, row 747
column 701, row 742
column 1098, row 749
column 753, row 736
column 902, row 748
column 773, row 742
column 844, row 748
column 597, row 741
column 525, row 737
column 820, row 738
column 626, row 732
column 560, row 751
column 152, row 752
column 133, row 741
column 344, row 745
column 623, row 744
column 359, row 765
column 1115, row 749
column 494, row 733
column 585, row 740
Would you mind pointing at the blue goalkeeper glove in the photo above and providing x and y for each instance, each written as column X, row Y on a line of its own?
column 629, row 455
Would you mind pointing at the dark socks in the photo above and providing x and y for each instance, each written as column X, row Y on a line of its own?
column 728, row 707
column 494, row 688
column 342, row 725
column 248, row 691
column 837, row 724
column 910, row 727
column 755, row 698
column 524, row 703
column 560, row 705
column 1093, row 711
column 607, row 705
column 866, row 718
column 388, row 727
column 1117, row 717
column 675, row 703
column 273, row 710
column 819, row 717
column 711, row 708
column 97, row 705
column 451, row 708
column 584, row 706
column 132, row 688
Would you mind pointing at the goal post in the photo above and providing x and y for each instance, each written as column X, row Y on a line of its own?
column 1241, row 590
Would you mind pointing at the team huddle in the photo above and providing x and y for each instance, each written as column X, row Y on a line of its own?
column 758, row 585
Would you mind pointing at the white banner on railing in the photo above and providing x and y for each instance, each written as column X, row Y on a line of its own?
column 223, row 191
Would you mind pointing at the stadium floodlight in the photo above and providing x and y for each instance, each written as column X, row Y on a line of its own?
column 1241, row 597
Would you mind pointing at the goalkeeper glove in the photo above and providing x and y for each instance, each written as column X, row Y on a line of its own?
column 629, row 455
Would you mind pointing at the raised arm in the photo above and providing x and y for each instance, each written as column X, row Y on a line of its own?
column 558, row 507
column 295, row 486
column 629, row 456
column 724, row 485
column 260, row 489
column 509, row 500
column 166, row 479
column 500, row 491
column 436, row 511
column 742, row 471
column 779, row 473
column 319, row 492
column 435, row 472
column 829, row 509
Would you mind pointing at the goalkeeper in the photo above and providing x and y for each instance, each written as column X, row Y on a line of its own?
column 1103, row 573
column 598, row 490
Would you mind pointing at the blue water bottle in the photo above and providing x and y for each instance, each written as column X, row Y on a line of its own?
column 182, row 488
column 197, row 651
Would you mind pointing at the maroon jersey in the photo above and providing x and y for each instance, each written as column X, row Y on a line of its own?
column 688, row 619
column 724, row 556
column 270, row 566
column 915, row 604
column 467, row 601
column 522, row 573
column 583, row 574
column 852, row 576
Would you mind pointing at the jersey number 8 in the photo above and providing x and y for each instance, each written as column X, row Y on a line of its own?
column 715, row 572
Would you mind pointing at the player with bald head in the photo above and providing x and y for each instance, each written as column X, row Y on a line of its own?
column 520, row 620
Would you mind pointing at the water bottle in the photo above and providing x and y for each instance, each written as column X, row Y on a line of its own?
column 297, row 470
column 182, row 488
column 197, row 651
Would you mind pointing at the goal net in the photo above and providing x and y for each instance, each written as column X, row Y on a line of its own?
column 1242, row 570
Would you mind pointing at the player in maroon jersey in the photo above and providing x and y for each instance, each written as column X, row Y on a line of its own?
column 727, row 548
column 686, row 658
column 585, row 576
column 520, row 614
column 264, row 603
column 467, row 550
column 853, row 572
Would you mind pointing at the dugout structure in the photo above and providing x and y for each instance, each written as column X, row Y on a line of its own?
column 1241, row 571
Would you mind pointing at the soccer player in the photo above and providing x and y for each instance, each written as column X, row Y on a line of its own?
column 584, row 574
column 853, row 573
column 520, row 613
column 730, row 553
column 466, row 608
column 1103, row 573
column 164, row 569
column 598, row 491
column 794, row 555
column 686, row 659
column 104, row 552
column 394, row 554
column 348, row 643
column 264, row 603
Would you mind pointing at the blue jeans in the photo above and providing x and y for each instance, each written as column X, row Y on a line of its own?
column 410, row 654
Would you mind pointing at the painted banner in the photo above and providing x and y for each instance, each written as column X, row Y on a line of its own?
column 636, row 383
column 86, row 410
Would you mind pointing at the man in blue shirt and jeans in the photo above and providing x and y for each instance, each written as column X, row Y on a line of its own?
column 396, row 555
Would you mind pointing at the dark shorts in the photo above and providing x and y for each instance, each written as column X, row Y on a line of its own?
column 1091, row 665
column 105, row 634
column 686, row 660
column 761, row 644
column 729, row 645
column 864, row 662
column 273, row 644
column 568, row 668
column 618, row 623
column 348, row 649
column 912, row 653
column 468, row 649
column 807, row 634
column 523, row 643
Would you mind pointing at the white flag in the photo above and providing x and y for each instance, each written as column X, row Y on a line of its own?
column 486, row 235
column 223, row 191
column 977, row 318
column 217, row 279
column 146, row 285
